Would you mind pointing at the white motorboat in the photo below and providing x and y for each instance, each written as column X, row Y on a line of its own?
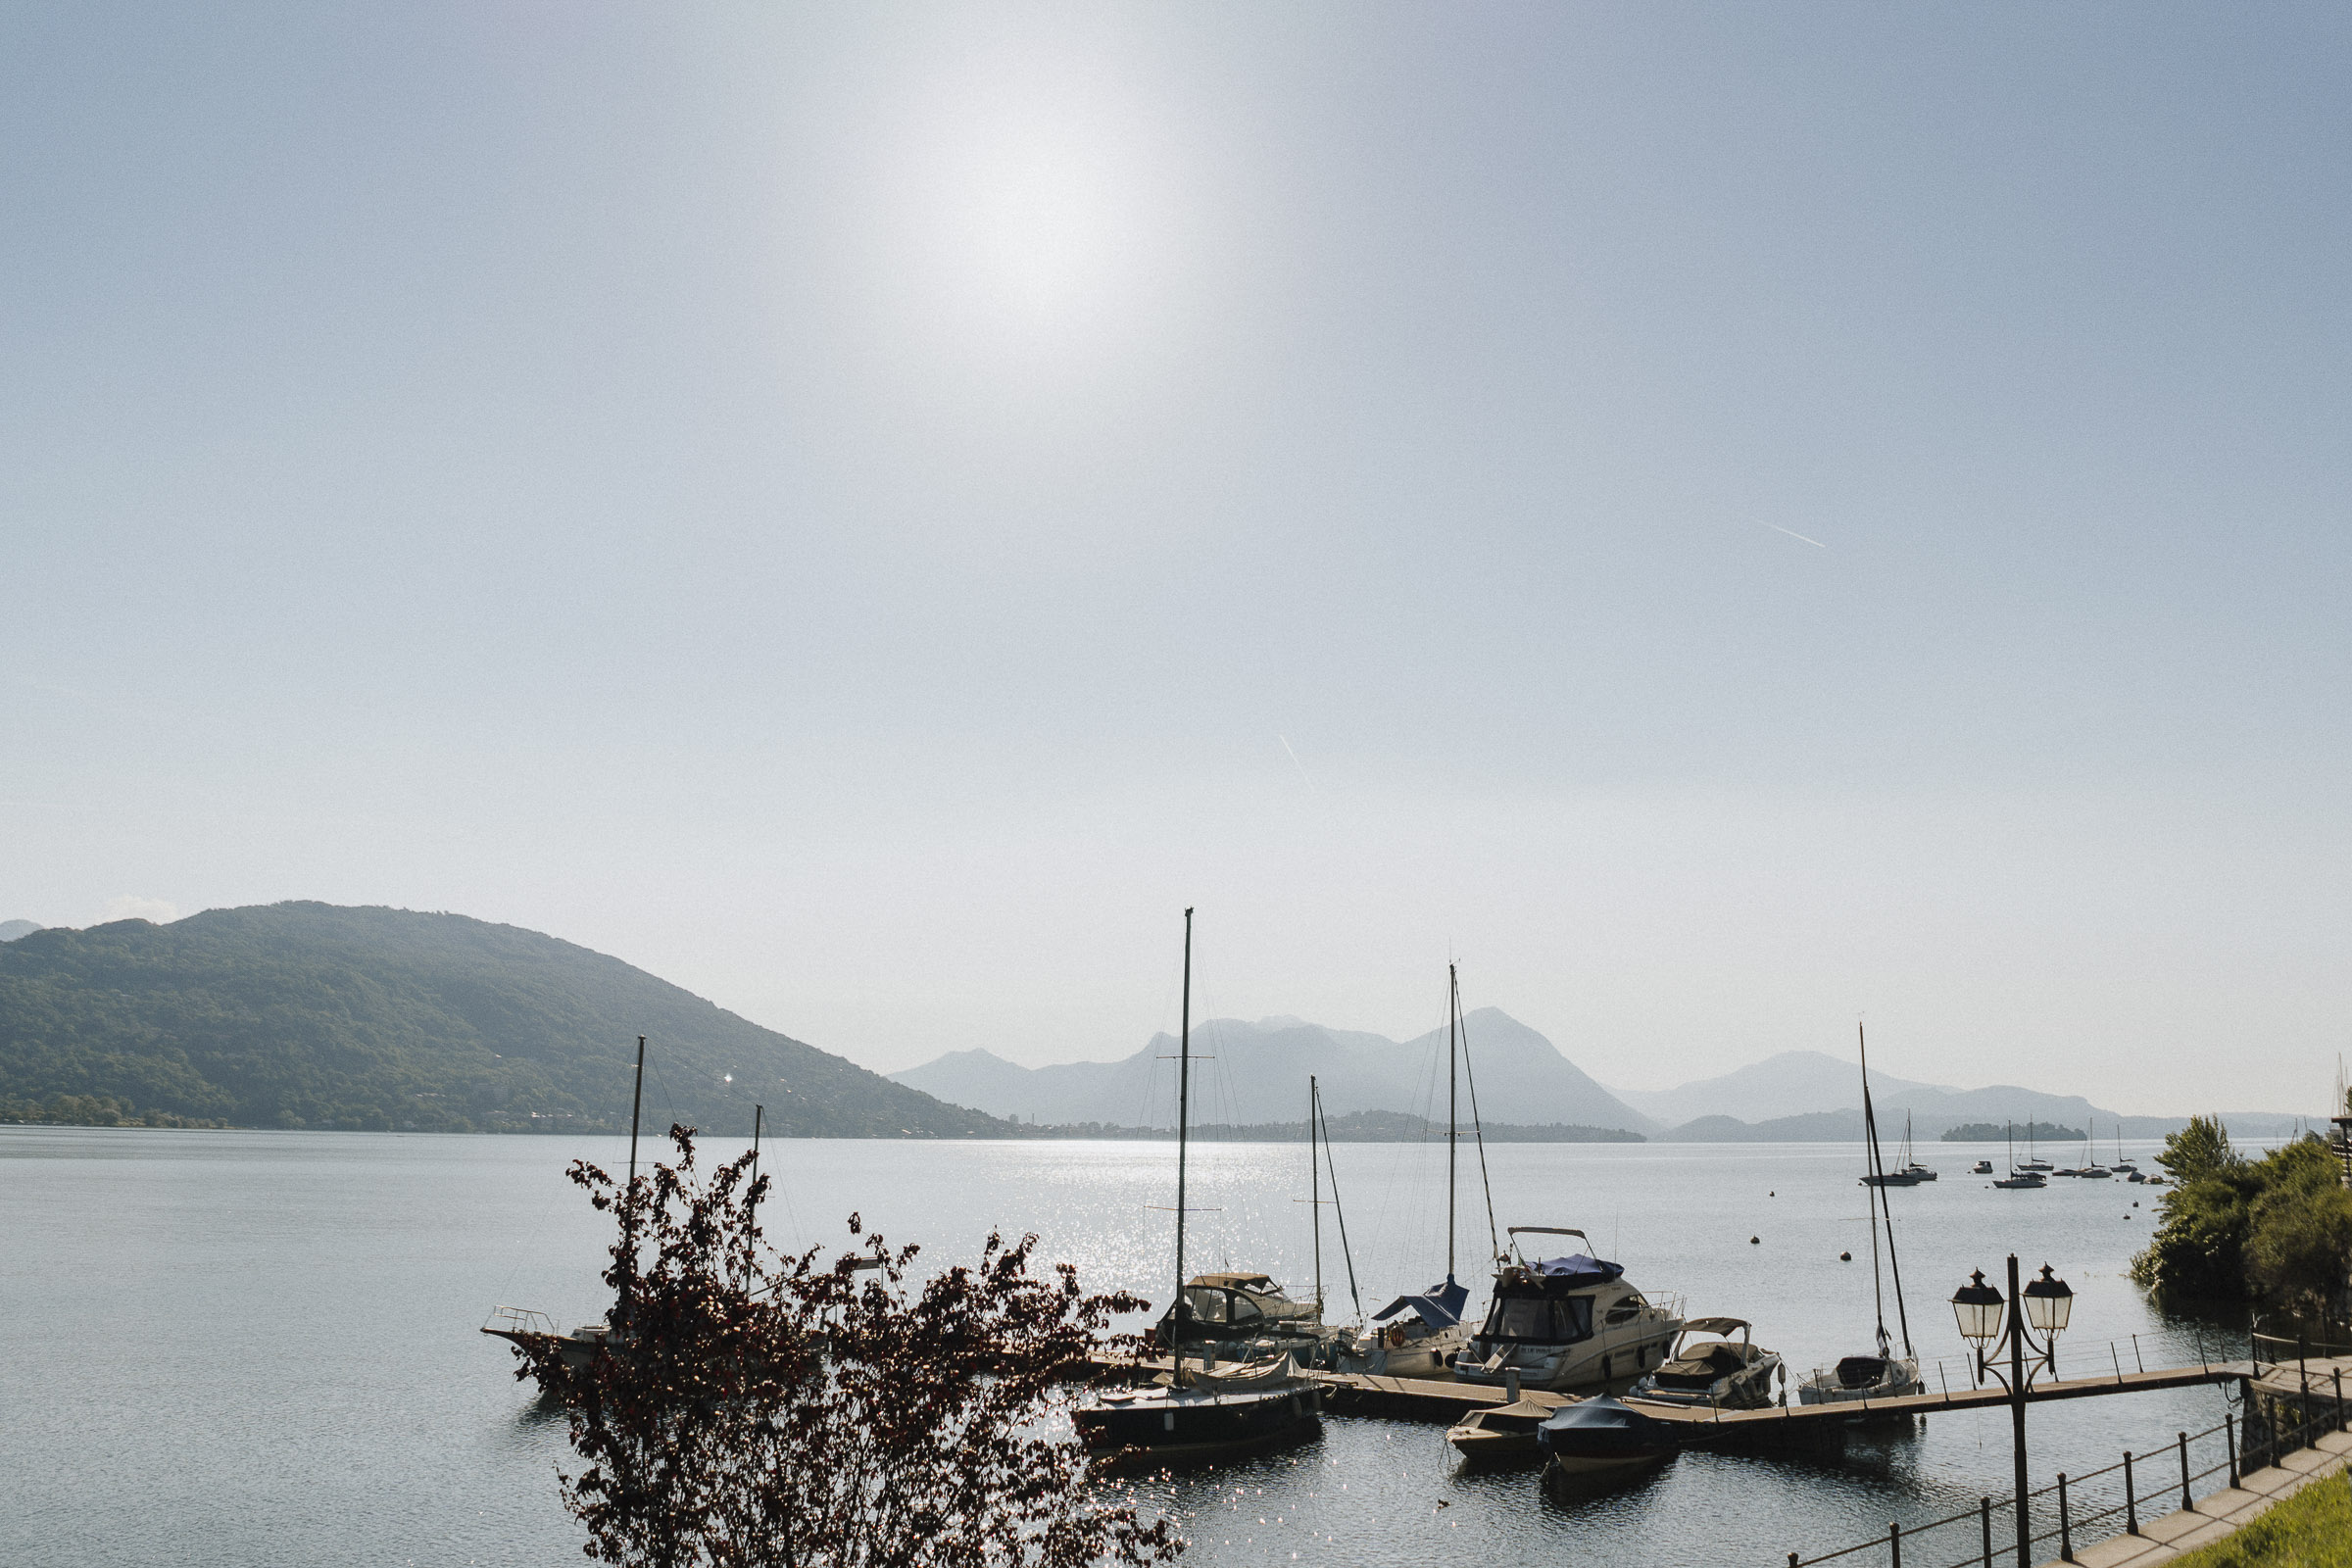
column 1983, row 1167
column 1567, row 1322
column 1714, row 1374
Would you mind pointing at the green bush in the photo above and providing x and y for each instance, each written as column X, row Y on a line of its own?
column 2313, row 1528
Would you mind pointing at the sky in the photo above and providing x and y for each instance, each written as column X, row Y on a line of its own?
column 1725, row 521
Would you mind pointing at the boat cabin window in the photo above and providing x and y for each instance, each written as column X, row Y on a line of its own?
column 1548, row 1320
column 1210, row 1304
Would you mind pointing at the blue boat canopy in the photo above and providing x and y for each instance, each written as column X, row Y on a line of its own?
column 1440, row 1306
column 1576, row 1269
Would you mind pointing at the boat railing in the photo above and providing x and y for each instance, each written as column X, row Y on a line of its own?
column 517, row 1321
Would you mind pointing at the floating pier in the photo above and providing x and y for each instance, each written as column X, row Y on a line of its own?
column 1796, row 1426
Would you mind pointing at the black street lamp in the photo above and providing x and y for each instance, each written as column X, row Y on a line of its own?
column 2041, row 1307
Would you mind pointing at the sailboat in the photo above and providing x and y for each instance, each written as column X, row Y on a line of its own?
column 2127, row 1169
column 2031, row 1162
column 2028, row 1176
column 1421, row 1334
column 1199, row 1414
column 1886, row 1375
column 2090, row 1168
column 1911, row 1166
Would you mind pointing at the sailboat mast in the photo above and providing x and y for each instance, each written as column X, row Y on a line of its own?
column 636, row 1104
column 1314, row 1185
column 1894, row 1263
column 1453, row 1141
column 1184, row 1111
column 1876, row 1181
column 1339, row 1211
column 758, row 1114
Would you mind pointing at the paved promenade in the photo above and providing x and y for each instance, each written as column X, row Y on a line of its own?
column 2221, row 1513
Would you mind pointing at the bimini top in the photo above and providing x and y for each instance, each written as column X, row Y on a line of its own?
column 1236, row 1282
column 1576, row 1269
column 1440, row 1306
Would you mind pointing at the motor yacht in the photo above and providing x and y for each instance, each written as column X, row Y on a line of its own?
column 1716, row 1374
column 1983, row 1167
column 1569, row 1322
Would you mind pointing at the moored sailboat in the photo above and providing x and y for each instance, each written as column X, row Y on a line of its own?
column 1857, row 1378
column 1197, row 1415
column 1421, row 1334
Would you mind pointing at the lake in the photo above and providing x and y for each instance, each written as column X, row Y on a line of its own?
column 251, row 1347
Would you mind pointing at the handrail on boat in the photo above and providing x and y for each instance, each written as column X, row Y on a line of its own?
column 517, row 1321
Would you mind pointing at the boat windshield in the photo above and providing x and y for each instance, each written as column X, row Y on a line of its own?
column 1212, row 1305
column 1545, row 1320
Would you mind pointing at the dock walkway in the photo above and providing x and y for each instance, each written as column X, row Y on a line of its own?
column 1448, row 1401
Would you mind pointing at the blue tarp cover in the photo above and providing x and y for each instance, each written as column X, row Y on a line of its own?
column 1576, row 1269
column 1440, row 1306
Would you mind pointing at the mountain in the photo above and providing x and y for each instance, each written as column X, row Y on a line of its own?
column 1247, row 1073
column 1803, row 1094
column 316, row 1015
column 1791, row 1084
column 9, row 930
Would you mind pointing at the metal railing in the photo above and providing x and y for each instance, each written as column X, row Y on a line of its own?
column 519, row 1320
column 2117, row 1491
column 2093, row 1504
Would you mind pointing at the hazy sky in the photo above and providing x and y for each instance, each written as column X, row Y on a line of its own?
column 1726, row 519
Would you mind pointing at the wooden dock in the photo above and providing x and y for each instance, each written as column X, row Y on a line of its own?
column 1795, row 1426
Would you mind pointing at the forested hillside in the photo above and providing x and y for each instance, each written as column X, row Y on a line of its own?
column 316, row 1015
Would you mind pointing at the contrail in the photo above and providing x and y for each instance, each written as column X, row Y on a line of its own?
column 1794, row 534
column 1302, row 767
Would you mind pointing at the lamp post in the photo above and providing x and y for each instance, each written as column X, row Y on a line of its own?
column 2041, row 1307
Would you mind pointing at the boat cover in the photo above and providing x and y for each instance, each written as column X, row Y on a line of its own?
column 1576, row 1269
column 1604, row 1426
column 1440, row 1306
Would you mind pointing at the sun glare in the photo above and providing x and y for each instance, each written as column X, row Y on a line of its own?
column 1042, row 210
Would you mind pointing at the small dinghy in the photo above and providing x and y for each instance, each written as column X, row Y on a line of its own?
column 1500, row 1431
column 1601, row 1436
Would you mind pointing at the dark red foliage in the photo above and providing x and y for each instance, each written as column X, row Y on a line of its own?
column 753, row 1409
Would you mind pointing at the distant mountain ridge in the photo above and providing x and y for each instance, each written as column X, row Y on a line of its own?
column 318, row 1015
column 1256, row 1073
column 1521, row 1077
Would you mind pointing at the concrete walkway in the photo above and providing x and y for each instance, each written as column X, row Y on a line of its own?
column 2217, row 1516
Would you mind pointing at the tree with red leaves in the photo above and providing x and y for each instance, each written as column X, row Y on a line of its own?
column 750, row 1408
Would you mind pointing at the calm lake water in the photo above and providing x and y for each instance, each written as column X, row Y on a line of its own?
column 245, row 1348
